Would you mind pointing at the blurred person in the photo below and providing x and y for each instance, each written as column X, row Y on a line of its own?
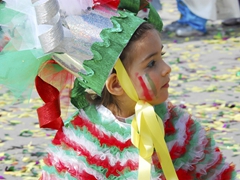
column 156, row 4
column 194, row 15
column 232, row 21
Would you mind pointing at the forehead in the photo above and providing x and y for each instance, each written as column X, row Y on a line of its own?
column 148, row 44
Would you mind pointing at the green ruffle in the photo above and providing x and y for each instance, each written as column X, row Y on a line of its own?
column 113, row 150
column 52, row 170
column 97, row 119
column 161, row 110
column 72, row 154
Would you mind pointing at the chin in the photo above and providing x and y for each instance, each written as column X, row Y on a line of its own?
column 159, row 100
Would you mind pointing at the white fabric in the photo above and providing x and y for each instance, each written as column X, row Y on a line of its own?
column 214, row 9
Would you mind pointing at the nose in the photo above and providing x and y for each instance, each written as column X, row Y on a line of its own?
column 166, row 70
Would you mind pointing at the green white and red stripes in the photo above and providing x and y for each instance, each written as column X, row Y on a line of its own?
column 95, row 145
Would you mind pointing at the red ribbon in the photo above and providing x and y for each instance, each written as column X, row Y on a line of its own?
column 49, row 115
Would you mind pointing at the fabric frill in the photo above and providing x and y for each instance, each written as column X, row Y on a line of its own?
column 93, row 144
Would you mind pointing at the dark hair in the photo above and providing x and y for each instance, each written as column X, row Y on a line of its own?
column 106, row 98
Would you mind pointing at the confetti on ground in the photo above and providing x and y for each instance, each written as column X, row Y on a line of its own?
column 205, row 81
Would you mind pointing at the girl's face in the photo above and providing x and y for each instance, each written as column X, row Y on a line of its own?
column 148, row 72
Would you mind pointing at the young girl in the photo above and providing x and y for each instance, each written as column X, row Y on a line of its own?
column 124, row 127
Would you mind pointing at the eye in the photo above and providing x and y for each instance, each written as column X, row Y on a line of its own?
column 151, row 63
column 162, row 53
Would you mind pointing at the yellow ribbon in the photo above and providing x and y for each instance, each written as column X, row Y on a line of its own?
column 147, row 131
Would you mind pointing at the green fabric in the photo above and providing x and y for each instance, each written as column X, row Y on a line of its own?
column 154, row 18
column 161, row 110
column 53, row 170
column 18, row 70
column 107, row 52
column 132, row 6
column 78, row 95
column 6, row 14
column 96, row 118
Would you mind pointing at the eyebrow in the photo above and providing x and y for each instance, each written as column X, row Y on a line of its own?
column 150, row 55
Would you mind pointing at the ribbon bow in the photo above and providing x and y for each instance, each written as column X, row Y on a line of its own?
column 147, row 131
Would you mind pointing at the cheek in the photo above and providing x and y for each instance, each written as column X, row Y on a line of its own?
column 156, row 82
column 147, row 89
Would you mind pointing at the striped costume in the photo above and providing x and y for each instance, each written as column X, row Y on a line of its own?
column 93, row 144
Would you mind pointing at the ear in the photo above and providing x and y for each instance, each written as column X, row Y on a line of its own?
column 113, row 86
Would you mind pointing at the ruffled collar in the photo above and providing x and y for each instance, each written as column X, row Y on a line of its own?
column 105, row 112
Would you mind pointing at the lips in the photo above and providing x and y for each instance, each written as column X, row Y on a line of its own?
column 166, row 85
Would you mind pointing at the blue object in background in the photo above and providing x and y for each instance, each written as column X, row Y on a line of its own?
column 189, row 18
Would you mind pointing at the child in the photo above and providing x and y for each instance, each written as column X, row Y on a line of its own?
column 124, row 128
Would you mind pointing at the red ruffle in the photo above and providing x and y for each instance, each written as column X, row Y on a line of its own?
column 227, row 173
column 61, row 168
column 169, row 127
column 178, row 151
column 115, row 170
column 182, row 175
column 102, row 137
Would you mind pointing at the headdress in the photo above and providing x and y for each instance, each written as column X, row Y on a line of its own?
column 86, row 39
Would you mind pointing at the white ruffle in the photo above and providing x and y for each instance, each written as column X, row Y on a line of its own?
column 202, row 168
column 196, row 152
column 180, row 127
column 218, row 172
column 109, row 118
column 102, row 153
column 47, row 176
column 72, row 162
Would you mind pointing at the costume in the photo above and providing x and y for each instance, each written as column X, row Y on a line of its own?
column 95, row 145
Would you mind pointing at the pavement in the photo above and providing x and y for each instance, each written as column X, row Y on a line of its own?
column 205, row 81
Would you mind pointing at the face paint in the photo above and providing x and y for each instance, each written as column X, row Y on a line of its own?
column 144, row 86
column 152, row 85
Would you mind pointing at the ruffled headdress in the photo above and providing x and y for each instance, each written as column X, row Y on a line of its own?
column 50, row 41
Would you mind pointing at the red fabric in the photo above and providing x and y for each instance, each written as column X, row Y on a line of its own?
column 49, row 114
column 102, row 137
column 178, row 151
column 118, row 168
column 41, row 178
column 55, row 75
column 185, row 175
column 57, row 139
column 60, row 167
column 227, row 173
column 115, row 3
column 112, row 3
column 169, row 127
column 182, row 175
column 115, row 170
